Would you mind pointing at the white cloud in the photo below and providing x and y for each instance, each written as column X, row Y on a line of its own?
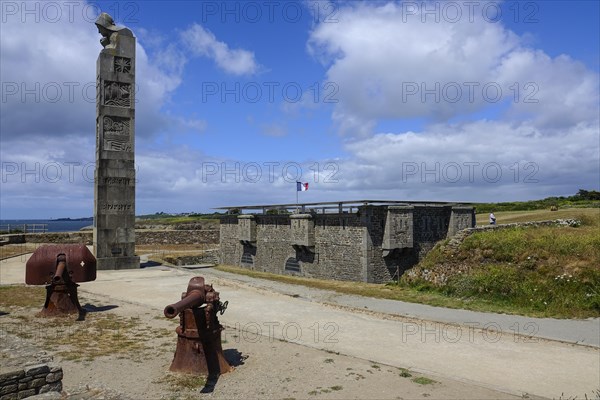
column 471, row 155
column 369, row 54
column 274, row 129
column 48, row 111
column 476, row 161
column 203, row 42
column 563, row 90
column 443, row 163
column 56, row 63
column 385, row 62
column 543, row 141
column 48, row 73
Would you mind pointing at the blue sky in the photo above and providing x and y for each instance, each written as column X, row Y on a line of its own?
column 445, row 101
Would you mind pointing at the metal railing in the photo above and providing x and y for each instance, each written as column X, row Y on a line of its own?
column 24, row 228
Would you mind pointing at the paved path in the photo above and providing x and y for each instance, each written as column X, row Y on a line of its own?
column 498, row 360
column 586, row 332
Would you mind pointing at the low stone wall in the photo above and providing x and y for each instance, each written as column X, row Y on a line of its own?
column 206, row 225
column 439, row 274
column 209, row 257
column 141, row 237
column 32, row 380
column 58, row 237
column 177, row 237
column 12, row 239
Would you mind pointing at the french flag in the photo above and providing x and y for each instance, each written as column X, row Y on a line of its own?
column 301, row 187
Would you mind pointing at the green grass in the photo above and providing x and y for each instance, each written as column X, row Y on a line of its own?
column 109, row 334
column 357, row 288
column 405, row 373
column 21, row 296
column 508, row 217
column 412, row 294
column 179, row 381
column 583, row 198
column 424, row 381
column 542, row 271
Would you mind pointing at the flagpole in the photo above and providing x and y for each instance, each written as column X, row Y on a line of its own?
column 296, row 197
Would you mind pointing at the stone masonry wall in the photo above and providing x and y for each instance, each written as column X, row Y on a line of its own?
column 337, row 253
column 339, row 248
column 430, row 225
column 141, row 236
column 208, row 257
column 230, row 248
column 177, row 237
column 374, row 219
column 30, row 381
column 347, row 246
column 273, row 243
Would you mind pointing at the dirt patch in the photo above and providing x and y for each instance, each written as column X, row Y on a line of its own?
column 123, row 350
column 17, row 249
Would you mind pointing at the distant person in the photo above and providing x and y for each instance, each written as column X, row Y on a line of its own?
column 492, row 219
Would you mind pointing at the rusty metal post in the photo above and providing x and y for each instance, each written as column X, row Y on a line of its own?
column 199, row 349
column 59, row 267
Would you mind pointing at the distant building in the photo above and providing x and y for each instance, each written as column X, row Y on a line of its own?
column 364, row 241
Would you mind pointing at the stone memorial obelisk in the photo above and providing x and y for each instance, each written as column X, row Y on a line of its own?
column 114, row 191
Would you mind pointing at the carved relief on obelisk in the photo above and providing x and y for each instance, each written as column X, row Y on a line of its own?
column 114, row 191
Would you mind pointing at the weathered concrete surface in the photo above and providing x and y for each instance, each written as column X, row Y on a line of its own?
column 114, row 177
column 499, row 361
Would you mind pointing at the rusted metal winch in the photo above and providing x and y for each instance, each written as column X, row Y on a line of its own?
column 199, row 349
column 59, row 267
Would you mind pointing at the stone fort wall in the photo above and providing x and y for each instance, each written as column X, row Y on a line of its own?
column 145, row 237
column 373, row 244
column 336, row 254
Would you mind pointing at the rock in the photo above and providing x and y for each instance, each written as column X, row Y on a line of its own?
column 36, row 383
column 8, row 389
column 54, row 376
column 52, row 387
column 55, row 368
column 37, row 370
column 10, row 376
column 11, row 396
column 26, row 393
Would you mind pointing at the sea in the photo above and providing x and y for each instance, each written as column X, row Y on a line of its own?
column 50, row 225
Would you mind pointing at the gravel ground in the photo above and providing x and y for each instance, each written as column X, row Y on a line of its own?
column 264, row 367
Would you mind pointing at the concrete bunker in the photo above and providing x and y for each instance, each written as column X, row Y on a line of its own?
column 365, row 241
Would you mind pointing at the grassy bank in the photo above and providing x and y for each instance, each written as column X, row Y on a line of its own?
column 538, row 272
column 391, row 292
column 544, row 271
column 509, row 217
column 583, row 198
